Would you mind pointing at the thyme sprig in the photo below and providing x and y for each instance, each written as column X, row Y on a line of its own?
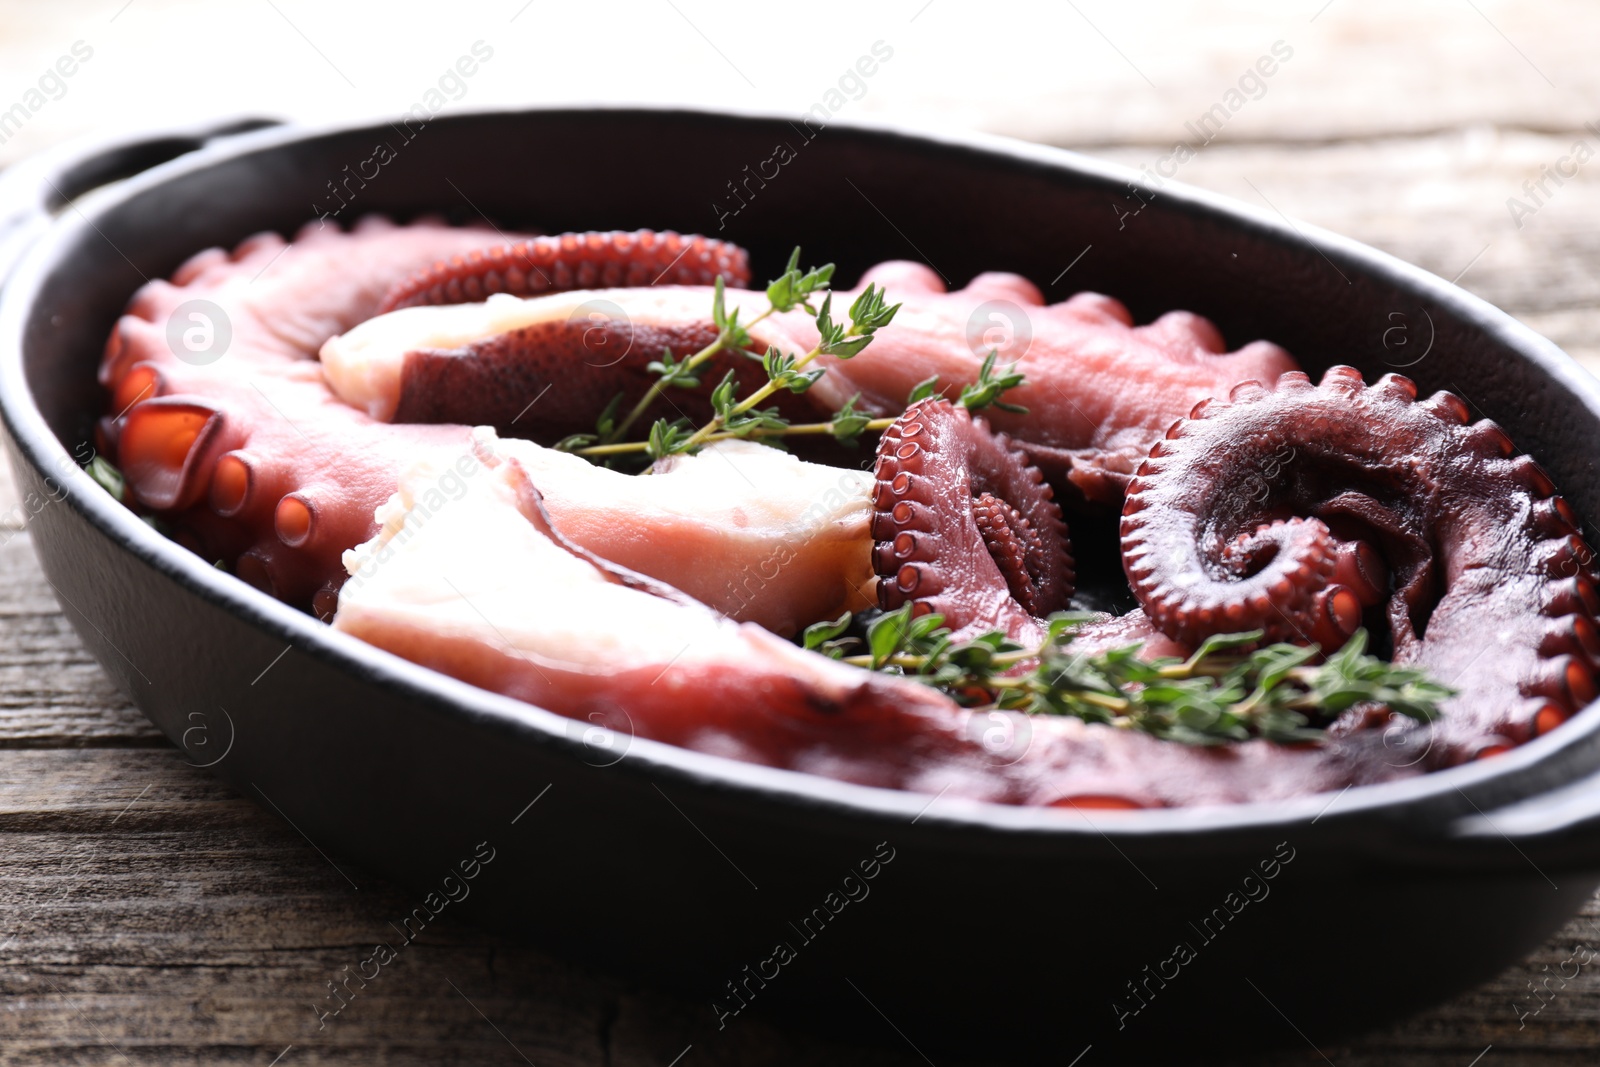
column 870, row 312
column 740, row 419
column 846, row 427
column 108, row 477
column 985, row 392
column 735, row 418
column 1223, row 692
column 793, row 288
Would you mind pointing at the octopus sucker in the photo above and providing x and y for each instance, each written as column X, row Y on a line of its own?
column 573, row 261
column 965, row 526
column 162, row 444
column 247, row 486
column 1438, row 515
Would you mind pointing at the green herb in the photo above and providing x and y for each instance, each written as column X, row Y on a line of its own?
column 985, row 392
column 848, row 424
column 742, row 420
column 1223, row 692
column 735, row 418
column 869, row 313
column 794, row 288
column 666, row 437
column 576, row 442
column 923, row 390
column 671, row 373
column 108, row 477
column 826, row 637
column 989, row 387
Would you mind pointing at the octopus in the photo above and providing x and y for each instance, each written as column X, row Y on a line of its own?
column 1099, row 391
column 376, row 446
column 1387, row 505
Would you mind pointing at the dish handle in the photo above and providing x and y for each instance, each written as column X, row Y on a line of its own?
column 1554, row 832
column 30, row 191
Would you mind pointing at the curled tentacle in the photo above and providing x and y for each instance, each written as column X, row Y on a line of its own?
column 964, row 525
column 574, row 261
column 1292, row 511
column 244, row 452
column 687, row 675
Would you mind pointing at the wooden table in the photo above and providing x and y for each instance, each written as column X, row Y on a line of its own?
column 150, row 915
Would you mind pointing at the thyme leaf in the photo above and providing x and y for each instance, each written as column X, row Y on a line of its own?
column 107, row 477
column 734, row 418
column 1226, row 691
column 989, row 387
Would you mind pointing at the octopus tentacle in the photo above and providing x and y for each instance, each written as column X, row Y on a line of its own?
column 574, row 261
column 1295, row 510
column 1099, row 390
column 964, row 525
column 687, row 672
column 249, row 457
column 485, row 363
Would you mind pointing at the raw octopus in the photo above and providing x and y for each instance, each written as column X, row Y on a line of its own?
column 342, row 415
column 1382, row 503
column 1099, row 390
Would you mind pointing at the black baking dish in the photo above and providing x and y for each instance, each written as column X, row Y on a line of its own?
column 990, row 927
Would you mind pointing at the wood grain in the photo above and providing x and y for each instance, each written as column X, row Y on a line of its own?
column 1439, row 201
column 51, row 692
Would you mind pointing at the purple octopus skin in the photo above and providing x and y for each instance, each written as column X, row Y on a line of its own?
column 965, row 526
column 1301, row 509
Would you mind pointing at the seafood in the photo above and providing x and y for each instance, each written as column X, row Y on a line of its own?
column 1099, row 391
column 795, row 552
column 964, row 527
column 375, row 445
column 249, row 458
column 531, row 614
column 1389, row 503
column 954, row 520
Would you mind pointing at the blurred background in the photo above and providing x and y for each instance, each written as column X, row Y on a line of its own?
column 1408, row 123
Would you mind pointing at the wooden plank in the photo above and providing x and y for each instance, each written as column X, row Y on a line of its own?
column 52, row 692
column 1440, row 202
column 148, row 911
